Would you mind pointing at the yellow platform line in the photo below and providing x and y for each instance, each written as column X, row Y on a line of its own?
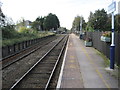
column 96, row 69
column 72, row 57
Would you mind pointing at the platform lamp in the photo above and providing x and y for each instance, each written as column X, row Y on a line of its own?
column 81, row 28
column 111, row 9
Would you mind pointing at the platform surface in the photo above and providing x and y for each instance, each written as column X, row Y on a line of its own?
column 84, row 68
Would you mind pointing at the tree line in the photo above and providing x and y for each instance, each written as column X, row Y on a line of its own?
column 48, row 22
column 97, row 21
column 12, row 30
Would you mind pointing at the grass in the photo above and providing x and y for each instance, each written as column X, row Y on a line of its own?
column 106, row 60
column 115, row 73
column 7, row 42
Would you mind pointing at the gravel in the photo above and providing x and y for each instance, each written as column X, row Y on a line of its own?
column 12, row 73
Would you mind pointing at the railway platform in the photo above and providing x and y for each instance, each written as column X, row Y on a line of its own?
column 83, row 68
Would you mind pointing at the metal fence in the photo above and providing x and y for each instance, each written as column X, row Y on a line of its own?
column 104, row 47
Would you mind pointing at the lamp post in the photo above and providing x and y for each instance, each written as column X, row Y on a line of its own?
column 112, row 8
column 81, row 28
column 112, row 47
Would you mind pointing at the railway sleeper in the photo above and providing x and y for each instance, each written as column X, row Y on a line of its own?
column 47, row 62
column 39, row 82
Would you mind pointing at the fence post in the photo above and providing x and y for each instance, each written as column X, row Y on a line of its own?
column 14, row 47
column 8, row 49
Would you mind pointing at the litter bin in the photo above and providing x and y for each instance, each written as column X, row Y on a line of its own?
column 81, row 36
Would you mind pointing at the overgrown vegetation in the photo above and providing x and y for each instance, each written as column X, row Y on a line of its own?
column 107, row 64
column 25, row 29
column 97, row 21
column 19, row 37
column 11, row 36
column 106, row 60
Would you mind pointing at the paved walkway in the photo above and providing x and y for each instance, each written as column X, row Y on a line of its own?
column 84, row 68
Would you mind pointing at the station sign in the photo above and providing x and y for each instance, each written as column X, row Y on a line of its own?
column 112, row 7
column 1, row 4
column 119, row 7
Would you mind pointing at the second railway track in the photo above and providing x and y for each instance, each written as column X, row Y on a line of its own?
column 21, row 54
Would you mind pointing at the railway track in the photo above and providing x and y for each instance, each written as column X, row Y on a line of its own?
column 41, row 71
column 40, row 74
column 21, row 54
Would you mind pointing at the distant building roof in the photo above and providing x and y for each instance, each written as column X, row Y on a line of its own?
column 27, row 23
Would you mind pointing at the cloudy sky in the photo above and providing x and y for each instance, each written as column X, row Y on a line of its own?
column 66, row 10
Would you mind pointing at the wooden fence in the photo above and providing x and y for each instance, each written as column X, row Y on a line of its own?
column 103, row 46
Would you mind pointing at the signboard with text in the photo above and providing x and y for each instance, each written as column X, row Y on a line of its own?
column 119, row 7
column 112, row 7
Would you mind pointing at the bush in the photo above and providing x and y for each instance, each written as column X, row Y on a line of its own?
column 106, row 34
column 11, row 36
column 8, row 32
column 23, row 30
column 23, row 37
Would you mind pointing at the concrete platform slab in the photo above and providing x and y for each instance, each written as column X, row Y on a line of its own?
column 84, row 68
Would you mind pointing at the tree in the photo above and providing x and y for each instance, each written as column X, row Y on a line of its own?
column 6, row 26
column 98, row 20
column 89, row 26
column 8, row 31
column 76, row 23
column 35, row 25
column 2, row 18
column 108, row 23
column 51, row 21
column 40, row 22
column 117, row 22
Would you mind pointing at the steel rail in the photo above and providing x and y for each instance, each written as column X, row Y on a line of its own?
column 24, row 55
column 48, row 82
column 2, row 59
column 16, row 83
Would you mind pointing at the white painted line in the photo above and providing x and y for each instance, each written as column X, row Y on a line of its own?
column 61, row 72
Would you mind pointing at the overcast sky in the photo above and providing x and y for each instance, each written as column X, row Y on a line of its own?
column 66, row 10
